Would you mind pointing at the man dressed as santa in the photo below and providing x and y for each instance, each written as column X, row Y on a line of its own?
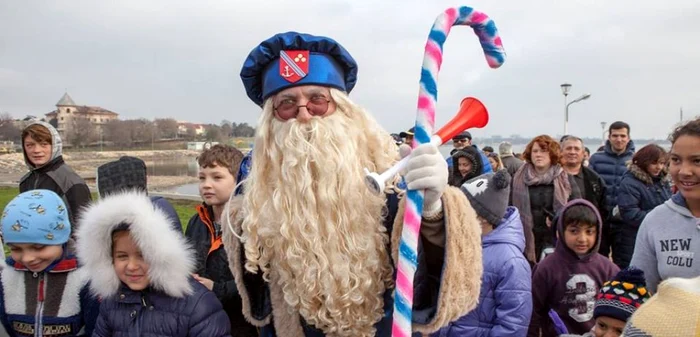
column 312, row 249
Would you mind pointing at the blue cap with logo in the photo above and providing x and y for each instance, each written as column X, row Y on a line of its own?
column 291, row 59
column 37, row 216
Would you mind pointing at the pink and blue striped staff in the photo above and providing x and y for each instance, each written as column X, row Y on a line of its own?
column 486, row 30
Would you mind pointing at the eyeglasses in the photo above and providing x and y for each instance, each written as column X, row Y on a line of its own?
column 288, row 108
column 464, row 140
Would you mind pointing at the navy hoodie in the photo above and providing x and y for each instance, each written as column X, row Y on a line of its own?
column 568, row 283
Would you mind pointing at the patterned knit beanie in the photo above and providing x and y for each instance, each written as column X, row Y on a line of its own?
column 620, row 297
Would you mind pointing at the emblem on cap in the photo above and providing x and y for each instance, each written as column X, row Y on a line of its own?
column 294, row 64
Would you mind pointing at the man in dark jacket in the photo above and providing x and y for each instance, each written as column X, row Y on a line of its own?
column 591, row 185
column 611, row 164
column 462, row 141
column 512, row 164
column 43, row 153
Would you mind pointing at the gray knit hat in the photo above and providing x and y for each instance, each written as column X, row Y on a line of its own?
column 488, row 194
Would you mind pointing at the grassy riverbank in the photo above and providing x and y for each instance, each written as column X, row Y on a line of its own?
column 184, row 208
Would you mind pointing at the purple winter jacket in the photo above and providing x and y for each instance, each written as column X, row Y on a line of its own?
column 505, row 300
column 568, row 283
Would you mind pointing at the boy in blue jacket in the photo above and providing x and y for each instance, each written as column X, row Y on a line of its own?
column 505, row 300
column 43, row 291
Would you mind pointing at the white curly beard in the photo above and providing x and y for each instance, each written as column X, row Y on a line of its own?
column 313, row 222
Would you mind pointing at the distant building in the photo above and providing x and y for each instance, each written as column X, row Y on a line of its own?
column 22, row 123
column 182, row 127
column 66, row 110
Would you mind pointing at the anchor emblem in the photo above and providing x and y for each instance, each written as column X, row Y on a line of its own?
column 286, row 72
column 294, row 65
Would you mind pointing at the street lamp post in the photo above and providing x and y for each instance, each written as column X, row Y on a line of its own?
column 602, row 126
column 565, row 90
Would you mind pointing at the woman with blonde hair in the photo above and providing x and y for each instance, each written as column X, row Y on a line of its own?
column 495, row 161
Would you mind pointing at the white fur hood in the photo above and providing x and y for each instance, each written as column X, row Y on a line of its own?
column 170, row 257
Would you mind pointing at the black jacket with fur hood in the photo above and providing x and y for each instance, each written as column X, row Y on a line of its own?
column 174, row 304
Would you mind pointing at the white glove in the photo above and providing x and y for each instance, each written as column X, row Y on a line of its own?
column 404, row 150
column 427, row 170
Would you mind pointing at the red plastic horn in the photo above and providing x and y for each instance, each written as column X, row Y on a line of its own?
column 472, row 114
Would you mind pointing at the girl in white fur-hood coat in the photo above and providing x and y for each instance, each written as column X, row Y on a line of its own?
column 141, row 269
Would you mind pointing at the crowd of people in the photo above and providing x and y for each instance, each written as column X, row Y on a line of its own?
column 288, row 240
column 587, row 212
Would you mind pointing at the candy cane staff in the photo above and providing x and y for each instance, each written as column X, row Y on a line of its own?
column 419, row 195
column 312, row 249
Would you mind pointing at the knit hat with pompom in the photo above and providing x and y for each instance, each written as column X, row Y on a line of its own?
column 488, row 194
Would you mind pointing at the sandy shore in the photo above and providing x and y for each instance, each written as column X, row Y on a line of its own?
column 12, row 166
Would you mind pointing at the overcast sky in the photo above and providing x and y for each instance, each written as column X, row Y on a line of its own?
column 640, row 60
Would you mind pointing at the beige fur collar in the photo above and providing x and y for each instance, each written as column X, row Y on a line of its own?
column 460, row 286
column 461, row 276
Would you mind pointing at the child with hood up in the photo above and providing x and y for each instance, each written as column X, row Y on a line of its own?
column 468, row 164
column 568, row 280
column 141, row 268
column 43, row 153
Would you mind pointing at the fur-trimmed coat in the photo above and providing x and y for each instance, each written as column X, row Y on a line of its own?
column 174, row 304
column 446, row 286
column 639, row 194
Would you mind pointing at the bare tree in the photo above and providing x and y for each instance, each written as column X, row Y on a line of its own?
column 141, row 130
column 54, row 122
column 8, row 130
column 81, row 132
column 243, row 130
column 191, row 133
column 117, row 132
column 226, row 129
column 213, row 133
column 167, row 127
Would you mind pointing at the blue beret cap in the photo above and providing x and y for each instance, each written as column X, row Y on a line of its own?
column 291, row 59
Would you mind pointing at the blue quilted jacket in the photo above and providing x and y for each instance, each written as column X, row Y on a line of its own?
column 505, row 300
column 611, row 166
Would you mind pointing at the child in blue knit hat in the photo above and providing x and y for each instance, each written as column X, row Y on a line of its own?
column 43, row 291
